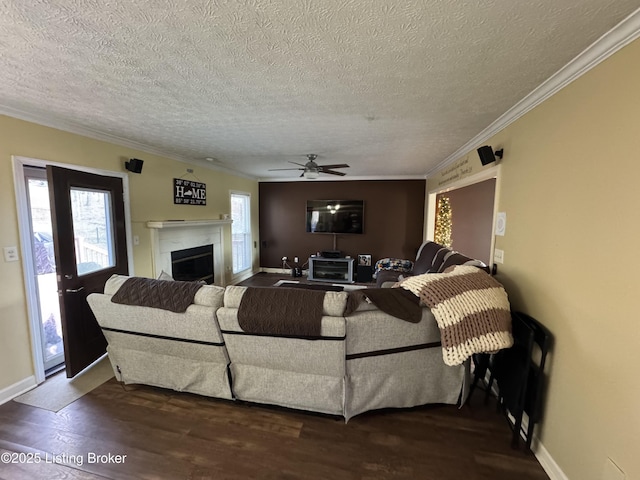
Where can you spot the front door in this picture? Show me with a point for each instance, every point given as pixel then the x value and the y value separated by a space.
pixel 87 213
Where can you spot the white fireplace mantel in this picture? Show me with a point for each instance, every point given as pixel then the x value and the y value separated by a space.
pixel 170 235
pixel 187 223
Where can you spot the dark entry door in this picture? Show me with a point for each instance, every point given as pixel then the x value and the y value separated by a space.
pixel 87 212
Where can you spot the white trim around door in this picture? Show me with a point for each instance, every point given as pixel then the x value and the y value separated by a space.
pixel 19 163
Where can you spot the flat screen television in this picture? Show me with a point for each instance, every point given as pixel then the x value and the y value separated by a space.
pixel 335 216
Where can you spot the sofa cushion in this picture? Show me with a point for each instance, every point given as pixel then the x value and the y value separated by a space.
pixel 165 276
pixel 455 258
pixel 207 295
pixel 114 283
pixel 386 276
pixel 210 296
pixel 438 259
pixel 333 305
pixel 425 257
pixel 281 311
pixel 149 292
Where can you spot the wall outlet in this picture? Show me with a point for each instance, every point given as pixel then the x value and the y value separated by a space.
pixel 11 254
pixel 498 255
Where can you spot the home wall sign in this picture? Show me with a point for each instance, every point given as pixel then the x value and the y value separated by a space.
pixel 188 192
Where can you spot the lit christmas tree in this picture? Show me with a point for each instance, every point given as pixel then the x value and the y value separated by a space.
pixel 443 222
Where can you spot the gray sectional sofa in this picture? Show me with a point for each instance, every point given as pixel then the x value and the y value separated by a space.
pixel 431 258
pixel 361 359
pixel 153 346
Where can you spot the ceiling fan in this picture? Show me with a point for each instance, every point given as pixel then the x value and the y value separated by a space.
pixel 311 169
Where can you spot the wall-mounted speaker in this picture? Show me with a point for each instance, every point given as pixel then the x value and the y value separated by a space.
pixel 487 154
pixel 134 165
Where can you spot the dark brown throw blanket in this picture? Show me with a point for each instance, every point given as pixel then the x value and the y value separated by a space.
pixel 174 296
pixel 397 302
pixel 281 311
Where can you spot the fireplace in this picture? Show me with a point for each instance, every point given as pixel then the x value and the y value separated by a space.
pixel 193 264
pixel 173 235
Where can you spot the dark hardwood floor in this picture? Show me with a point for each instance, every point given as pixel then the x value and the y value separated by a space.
pixel 153 433
pixel 166 434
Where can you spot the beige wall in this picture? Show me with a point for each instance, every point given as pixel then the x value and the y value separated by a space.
pixel 569 185
pixel 151 199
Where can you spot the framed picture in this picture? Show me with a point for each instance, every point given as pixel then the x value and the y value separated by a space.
pixel 364 260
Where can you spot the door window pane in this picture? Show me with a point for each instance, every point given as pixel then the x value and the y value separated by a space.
pixel 92 230
pixel 45 269
pixel 241 231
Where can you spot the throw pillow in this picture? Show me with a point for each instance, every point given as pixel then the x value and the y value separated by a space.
pixel 395 264
pixel 165 276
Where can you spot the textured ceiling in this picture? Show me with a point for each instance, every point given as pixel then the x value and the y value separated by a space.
pixel 391 87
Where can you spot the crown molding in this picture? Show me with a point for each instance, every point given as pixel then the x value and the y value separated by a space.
pixel 346 178
pixel 615 39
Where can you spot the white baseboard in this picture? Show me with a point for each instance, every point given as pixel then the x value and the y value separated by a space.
pixel 546 461
pixel 12 391
pixel 283 271
pixel 243 276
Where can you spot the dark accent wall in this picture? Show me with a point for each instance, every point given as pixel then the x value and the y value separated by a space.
pixel 393 219
pixel 472 219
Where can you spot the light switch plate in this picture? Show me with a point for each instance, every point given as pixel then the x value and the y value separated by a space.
pixel 11 254
pixel 498 255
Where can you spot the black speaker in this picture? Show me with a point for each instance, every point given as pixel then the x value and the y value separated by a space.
pixel 486 155
pixel 134 165
pixel 364 273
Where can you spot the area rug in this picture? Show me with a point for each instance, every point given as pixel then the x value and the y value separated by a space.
pixel 317 286
pixel 59 391
pixel 308 286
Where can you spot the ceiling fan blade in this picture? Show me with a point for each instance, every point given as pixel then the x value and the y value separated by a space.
pixel 332 172
pixel 337 165
pixel 296 163
pixel 275 169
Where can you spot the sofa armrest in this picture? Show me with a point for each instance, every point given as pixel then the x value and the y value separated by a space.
pixel 388 276
pixel 397 266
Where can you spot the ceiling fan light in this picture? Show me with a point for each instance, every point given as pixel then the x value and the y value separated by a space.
pixel 310 174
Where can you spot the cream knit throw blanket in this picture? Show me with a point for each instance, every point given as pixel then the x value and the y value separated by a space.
pixel 471 308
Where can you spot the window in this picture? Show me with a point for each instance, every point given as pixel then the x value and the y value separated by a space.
pixel 241 231
pixel 92 229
